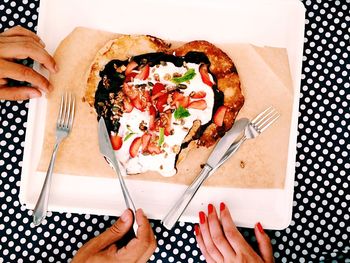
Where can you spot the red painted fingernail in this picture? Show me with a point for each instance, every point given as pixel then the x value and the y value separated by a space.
pixel 201 217
pixel 196 229
pixel 260 228
pixel 222 206
pixel 210 208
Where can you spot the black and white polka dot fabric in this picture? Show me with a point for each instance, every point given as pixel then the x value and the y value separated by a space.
pixel 320 229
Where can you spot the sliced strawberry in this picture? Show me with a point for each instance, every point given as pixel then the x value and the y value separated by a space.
pixel 180 99
pixel 116 142
pixel 203 70
pixel 146 96
pixel 128 107
pixel 130 77
pixel 152 118
pixel 144 73
pixel 158 87
pixel 199 95
pixel 130 67
pixel 198 104
pixel 167 126
pixel 130 91
pixel 161 102
pixel 145 139
pixel 219 115
pixel 138 104
pixel 135 146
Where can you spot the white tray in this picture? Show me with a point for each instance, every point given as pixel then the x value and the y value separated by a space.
pixel 272 23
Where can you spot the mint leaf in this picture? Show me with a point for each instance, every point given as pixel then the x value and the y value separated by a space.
pixel 128 136
pixel 161 136
pixel 181 112
pixel 186 77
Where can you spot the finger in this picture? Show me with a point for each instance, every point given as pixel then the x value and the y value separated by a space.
pixel 264 243
pixel 231 232
pixel 217 234
pixel 201 245
pixel 21 39
pixel 21 31
pixel 3 81
pixel 29 49
pixel 207 238
pixel 18 93
pixel 143 246
pixel 112 234
pixel 23 73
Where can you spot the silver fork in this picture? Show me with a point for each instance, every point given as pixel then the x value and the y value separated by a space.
pixel 256 126
pixel 63 128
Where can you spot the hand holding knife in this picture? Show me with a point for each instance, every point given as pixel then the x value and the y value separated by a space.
pixel 108 153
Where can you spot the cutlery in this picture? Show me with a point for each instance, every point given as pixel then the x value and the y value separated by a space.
pixel 63 127
pixel 221 147
pixel 107 151
pixel 259 124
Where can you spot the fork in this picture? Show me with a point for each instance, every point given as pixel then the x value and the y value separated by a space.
pixel 63 127
pixel 255 127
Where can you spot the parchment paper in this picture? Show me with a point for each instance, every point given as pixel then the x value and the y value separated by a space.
pixel 259 163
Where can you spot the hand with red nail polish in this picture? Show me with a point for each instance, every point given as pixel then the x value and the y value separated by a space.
pixel 103 248
pixel 20 43
pixel 220 241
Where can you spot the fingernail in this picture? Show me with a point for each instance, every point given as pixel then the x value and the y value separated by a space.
pixel 201 217
pixel 210 208
pixel 196 229
pixel 222 206
pixel 260 228
pixel 125 216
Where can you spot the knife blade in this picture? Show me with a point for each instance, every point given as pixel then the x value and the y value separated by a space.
pixel 107 151
pixel 219 150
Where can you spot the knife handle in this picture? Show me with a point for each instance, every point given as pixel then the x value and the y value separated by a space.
pixel 180 206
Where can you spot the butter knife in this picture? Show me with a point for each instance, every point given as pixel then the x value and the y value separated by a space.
pixel 107 151
pixel 215 157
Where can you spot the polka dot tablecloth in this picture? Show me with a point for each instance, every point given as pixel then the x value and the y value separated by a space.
pixel 320 227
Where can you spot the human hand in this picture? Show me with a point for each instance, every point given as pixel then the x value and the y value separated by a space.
pixel 220 241
pixel 103 249
pixel 20 43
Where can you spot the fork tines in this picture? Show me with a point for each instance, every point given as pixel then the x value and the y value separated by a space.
pixel 265 118
pixel 66 112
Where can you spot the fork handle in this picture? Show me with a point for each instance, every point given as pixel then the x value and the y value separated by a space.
pixel 180 206
pixel 40 209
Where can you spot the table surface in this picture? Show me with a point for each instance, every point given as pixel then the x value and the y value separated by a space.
pixel 320 227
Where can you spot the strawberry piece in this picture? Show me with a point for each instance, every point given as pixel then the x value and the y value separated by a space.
pixel 199 95
pixel 161 101
pixel 130 67
pixel 145 139
pixel 180 100
pixel 152 118
pixel 116 142
pixel 198 104
pixel 135 146
pixel 130 77
pixel 144 73
pixel 203 70
pixel 219 115
pixel 128 107
pixel 158 87
pixel 129 91
pixel 137 102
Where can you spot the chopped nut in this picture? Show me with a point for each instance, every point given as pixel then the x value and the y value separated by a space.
pixel 167 76
pixel 163 63
pixel 161 167
pixel 175 148
pixel 156 77
pixel 177 75
pixel 242 164
pixel 192 93
pixel 143 126
pixel 181 86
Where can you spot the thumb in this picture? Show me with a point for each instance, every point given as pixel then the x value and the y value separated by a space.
pixel 264 244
